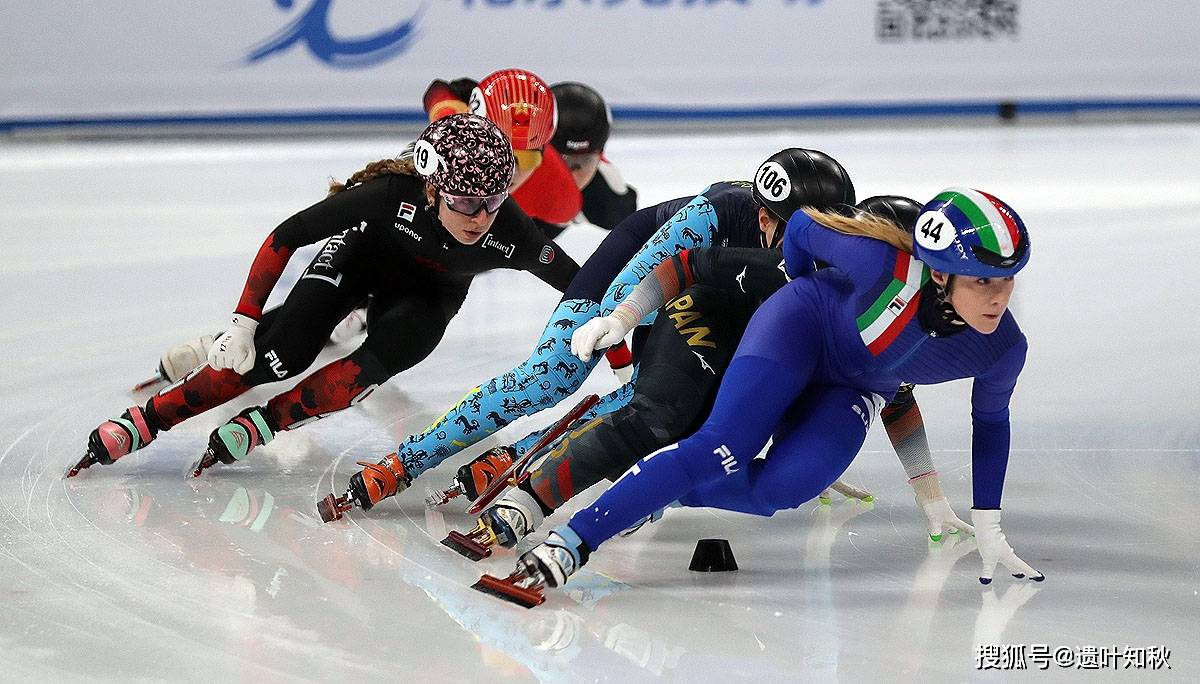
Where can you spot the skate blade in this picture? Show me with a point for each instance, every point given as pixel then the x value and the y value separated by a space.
pixel 505 590
pixel 466 547
pixel 206 461
pixel 148 382
pixel 850 492
pixel 79 467
pixel 328 509
pixel 196 468
pixel 435 498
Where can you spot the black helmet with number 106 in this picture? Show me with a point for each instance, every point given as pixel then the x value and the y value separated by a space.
pixel 797 177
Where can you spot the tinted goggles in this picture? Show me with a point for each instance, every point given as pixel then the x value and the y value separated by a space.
pixel 469 206
pixel 527 160
pixel 989 258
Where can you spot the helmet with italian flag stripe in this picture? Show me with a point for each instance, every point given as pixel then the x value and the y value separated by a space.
pixel 969 232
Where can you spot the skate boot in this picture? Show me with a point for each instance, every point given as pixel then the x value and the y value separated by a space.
pixel 549 564
pixel 374 483
pixel 505 522
pixel 848 491
pixel 234 440
pixel 178 362
pixel 353 325
pixel 116 438
pixel 473 478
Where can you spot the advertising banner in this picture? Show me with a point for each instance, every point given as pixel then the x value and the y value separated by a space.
pixel 364 60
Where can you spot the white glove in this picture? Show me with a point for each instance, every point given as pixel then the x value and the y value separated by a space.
pixel 939 516
pixel 993 548
pixel 235 347
pixel 598 333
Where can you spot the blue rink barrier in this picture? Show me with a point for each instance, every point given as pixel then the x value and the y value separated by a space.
pixel 1010 109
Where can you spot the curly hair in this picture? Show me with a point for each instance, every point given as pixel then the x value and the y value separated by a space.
pixel 402 165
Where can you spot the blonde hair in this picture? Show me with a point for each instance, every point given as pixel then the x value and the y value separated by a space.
pixel 402 165
pixel 865 225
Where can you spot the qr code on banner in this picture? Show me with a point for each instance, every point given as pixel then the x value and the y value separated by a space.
pixel 938 20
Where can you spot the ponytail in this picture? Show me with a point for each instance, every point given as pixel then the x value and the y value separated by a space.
pixel 865 225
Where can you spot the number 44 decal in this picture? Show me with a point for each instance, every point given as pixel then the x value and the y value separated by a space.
pixel 934 231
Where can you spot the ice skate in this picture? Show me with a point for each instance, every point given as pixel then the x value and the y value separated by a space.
pixel 848 491
pixel 234 440
pixel 549 564
pixel 519 470
pixel 353 325
pixel 374 483
pixel 177 362
pixel 506 523
pixel 116 438
pixel 476 476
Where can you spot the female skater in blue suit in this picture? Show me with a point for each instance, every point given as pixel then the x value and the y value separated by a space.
pixel 818 360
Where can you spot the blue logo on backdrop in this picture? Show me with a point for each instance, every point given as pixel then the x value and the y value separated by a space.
pixel 312 29
pixel 612 4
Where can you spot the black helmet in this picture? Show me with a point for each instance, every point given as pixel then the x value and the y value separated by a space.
pixel 583 119
pixel 900 210
pixel 796 177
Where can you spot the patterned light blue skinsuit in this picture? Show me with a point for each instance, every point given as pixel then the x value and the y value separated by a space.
pixel 723 214
pixel 810 371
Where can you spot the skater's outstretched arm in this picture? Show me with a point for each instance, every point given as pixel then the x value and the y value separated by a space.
pixel 757 272
pixel 906 430
pixel 541 256
pixel 335 214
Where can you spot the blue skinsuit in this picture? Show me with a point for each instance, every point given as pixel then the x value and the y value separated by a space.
pixel 723 214
pixel 812 369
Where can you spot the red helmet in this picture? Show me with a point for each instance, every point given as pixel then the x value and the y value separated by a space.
pixel 521 104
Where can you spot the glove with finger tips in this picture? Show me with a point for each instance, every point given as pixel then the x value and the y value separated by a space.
pixel 598 333
pixel 994 548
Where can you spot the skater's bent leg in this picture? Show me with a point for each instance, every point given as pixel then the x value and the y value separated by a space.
pixel 545 378
pixel 404 330
pixel 816 441
pixel 286 342
pixel 750 402
pixel 608 446
pixel 607 404
pixel 672 394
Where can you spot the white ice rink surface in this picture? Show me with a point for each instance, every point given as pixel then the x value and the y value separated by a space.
pixel 113 252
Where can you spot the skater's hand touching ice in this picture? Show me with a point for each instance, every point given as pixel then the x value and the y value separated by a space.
pixel 994 548
pixel 939 516
pixel 235 347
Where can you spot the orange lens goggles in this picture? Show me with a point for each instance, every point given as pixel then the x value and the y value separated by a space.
pixel 528 160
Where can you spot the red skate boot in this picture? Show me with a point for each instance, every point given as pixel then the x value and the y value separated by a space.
pixel 116 438
pixel 374 483
pixel 234 440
